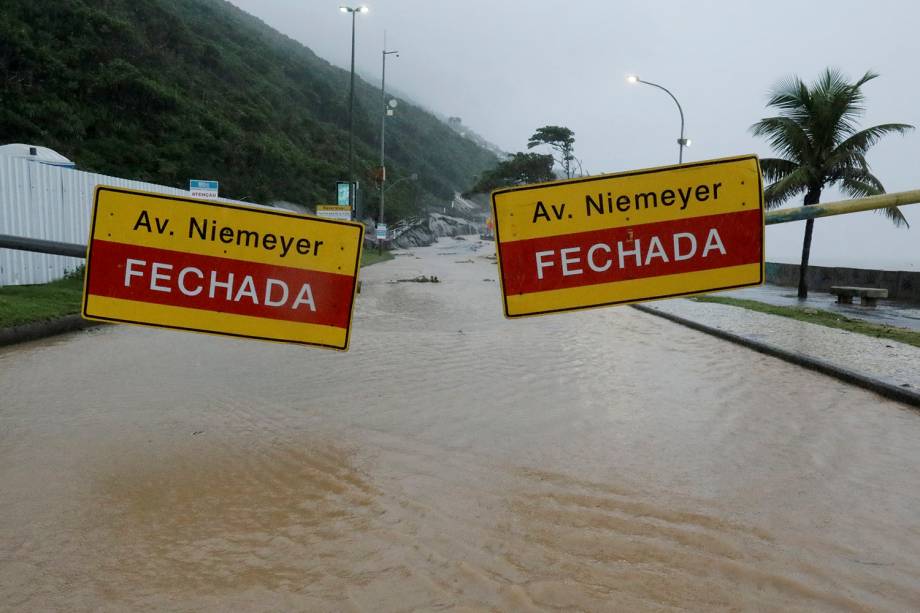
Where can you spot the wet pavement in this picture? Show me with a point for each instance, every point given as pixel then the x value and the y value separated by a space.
pixel 886 313
pixel 890 361
pixel 605 460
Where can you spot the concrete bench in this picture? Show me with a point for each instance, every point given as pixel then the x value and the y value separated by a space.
pixel 868 296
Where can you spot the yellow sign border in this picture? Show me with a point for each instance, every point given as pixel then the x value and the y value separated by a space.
pixel 227 205
pixel 616 175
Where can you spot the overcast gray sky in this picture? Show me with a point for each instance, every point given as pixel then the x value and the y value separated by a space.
pixel 507 67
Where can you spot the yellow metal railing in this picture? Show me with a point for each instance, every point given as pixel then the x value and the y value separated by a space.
pixel 841 208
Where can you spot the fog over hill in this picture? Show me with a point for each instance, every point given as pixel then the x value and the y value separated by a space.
pixel 168 90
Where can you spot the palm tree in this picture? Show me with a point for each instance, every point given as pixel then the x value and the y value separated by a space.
pixel 817 137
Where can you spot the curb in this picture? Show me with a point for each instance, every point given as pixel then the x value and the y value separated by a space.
pixel 42 329
pixel 889 390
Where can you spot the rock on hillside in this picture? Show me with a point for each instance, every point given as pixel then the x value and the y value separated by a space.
pixel 423 231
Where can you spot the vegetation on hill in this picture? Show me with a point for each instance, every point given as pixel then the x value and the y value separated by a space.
pixel 168 90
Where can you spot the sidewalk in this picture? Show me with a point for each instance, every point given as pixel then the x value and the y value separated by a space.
pixel 891 362
pixel 887 313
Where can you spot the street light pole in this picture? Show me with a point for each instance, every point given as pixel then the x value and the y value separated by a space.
pixel 384 110
pixel 681 142
pixel 412 177
pixel 351 109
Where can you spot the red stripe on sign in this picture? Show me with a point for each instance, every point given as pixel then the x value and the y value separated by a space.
pixel 636 252
pixel 223 285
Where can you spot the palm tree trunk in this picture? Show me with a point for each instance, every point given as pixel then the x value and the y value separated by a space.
pixel 812 197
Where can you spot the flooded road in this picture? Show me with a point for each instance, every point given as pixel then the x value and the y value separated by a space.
pixel 604 460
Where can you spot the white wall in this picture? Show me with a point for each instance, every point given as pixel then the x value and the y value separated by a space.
pixel 51 203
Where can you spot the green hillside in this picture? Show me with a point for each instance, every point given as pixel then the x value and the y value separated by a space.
pixel 168 90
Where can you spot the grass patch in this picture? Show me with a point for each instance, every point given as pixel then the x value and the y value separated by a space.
pixel 370 256
pixel 821 318
pixel 23 304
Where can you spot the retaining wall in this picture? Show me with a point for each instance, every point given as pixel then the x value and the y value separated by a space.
pixel 901 284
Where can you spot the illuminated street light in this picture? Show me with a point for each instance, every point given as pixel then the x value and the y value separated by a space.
pixel 351 110
pixel 681 142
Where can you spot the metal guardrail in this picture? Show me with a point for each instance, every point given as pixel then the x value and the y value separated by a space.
pixel 775 216
pixel 42 246
pixel 841 208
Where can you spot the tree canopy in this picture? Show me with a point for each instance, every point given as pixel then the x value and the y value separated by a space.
pixel 519 169
pixel 559 138
pixel 817 135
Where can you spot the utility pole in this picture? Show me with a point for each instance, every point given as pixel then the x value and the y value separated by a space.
pixel 384 111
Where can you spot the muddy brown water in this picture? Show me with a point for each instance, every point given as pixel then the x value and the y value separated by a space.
pixel 604 460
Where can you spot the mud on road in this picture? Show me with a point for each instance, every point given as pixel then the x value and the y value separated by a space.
pixel 603 460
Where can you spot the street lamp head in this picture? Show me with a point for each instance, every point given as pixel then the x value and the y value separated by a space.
pixel 363 9
pixel 632 78
pixel 344 9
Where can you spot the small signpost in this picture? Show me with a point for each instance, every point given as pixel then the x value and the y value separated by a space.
pixel 381 232
pixel 214 267
pixel 202 189
pixel 629 237
pixel 333 212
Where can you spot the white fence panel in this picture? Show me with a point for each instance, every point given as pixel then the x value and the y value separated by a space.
pixel 51 203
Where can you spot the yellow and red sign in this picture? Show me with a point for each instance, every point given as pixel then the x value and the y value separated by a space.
pixel 629 237
pixel 220 268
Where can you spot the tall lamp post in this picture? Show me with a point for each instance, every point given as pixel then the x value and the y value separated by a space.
pixel 681 142
pixel 384 111
pixel 351 109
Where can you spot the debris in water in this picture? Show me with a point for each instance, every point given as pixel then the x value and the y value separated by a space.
pixel 419 279
pixel 464 262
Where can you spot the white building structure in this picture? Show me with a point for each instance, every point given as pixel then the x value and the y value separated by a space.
pixel 42 195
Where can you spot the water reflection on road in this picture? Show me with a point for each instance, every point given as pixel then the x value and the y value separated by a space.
pixel 605 460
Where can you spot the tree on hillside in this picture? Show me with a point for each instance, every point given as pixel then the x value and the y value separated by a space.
pixel 816 135
pixel 559 138
pixel 519 169
pixel 166 90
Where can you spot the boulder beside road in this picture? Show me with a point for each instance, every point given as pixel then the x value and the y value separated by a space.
pixel 424 231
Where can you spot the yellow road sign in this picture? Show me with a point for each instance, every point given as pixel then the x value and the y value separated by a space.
pixel 333 211
pixel 629 237
pixel 214 267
